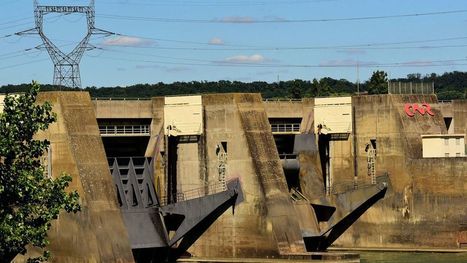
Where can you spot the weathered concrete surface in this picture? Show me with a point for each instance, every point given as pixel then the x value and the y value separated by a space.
pixel 123 109
pixel 241 121
pixel 292 109
pixel 284 108
pixel 271 175
pixel 459 108
pixel 97 233
pixel 422 208
pixel 248 232
pixel 311 178
pixel 189 175
pixel 156 144
pixel 426 201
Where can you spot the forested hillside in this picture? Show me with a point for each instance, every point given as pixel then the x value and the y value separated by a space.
pixel 451 85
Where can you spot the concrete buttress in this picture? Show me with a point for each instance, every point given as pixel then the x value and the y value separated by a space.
pixel 97 233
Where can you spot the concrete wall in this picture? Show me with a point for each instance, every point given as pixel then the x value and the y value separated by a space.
pixel 443 146
pixel 263 222
pixel 292 109
pixel 424 204
pixel 460 116
pixel 128 109
pixel 183 114
pixel 426 200
pixel 334 114
pixel 248 232
pixel 97 233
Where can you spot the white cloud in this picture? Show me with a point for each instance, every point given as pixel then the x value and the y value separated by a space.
pixel 128 41
pixel 256 58
pixel 237 19
pixel 216 41
pixel 418 63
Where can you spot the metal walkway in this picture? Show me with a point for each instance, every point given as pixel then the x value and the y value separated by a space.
pixel 124 130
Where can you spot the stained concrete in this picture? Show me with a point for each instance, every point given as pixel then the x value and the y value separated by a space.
pixel 268 168
pixel 426 202
pixel 97 233
pixel 264 224
pixel 292 109
pixel 130 109
pixel 423 207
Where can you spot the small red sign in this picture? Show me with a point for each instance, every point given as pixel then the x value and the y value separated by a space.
pixel 411 109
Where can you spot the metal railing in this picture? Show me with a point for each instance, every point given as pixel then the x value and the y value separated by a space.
pixel 346 186
pixel 411 88
pixel 297 195
pixel 285 128
pixel 124 130
pixel 212 188
pixel 445 101
pixel 287 156
pixel 119 98
pixel 282 100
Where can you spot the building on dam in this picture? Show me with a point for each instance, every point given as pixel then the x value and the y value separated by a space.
pixel 322 150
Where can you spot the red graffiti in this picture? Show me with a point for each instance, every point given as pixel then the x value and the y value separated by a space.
pixel 410 109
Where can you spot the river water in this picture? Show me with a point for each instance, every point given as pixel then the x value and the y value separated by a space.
pixel 409 257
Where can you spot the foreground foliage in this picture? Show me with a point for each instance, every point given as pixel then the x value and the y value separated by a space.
pixel 29 199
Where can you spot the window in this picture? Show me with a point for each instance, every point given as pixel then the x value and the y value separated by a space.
pixel 446 155
pixel 458 154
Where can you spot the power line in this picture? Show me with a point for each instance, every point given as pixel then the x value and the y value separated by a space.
pixel 14 21
pixel 291 65
pixel 258 21
pixel 22 64
pixel 234 47
pixel 428 63
pixel 216 3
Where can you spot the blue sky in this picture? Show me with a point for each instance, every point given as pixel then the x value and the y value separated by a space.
pixel 245 40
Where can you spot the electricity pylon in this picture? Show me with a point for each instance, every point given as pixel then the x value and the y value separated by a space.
pixel 66 65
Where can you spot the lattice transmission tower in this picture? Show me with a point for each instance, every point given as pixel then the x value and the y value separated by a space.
pixel 66 65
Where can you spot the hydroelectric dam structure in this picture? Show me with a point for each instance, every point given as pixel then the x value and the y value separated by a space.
pixel 157 176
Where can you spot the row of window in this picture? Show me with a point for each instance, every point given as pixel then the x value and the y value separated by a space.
pixel 457 155
pixel 446 141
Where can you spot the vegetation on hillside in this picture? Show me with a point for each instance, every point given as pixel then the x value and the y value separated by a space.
pixel 451 85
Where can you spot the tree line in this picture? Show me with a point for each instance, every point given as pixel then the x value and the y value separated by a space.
pixel 450 85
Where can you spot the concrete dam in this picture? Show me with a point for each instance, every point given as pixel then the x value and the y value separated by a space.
pixel 334 153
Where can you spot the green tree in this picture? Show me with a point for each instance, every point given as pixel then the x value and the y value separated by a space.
pixel 29 199
pixel 378 83
pixel 296 89
pixel 324 89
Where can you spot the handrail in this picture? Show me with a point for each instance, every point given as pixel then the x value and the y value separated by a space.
pixel 287 156
pixel 118 98
pixel 212 188
pixel 285 127
pixel 282 100
pixel 345 186
pixel 124 129
pixel 445 101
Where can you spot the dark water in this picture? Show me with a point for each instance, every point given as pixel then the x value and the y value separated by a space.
pixel 409 257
